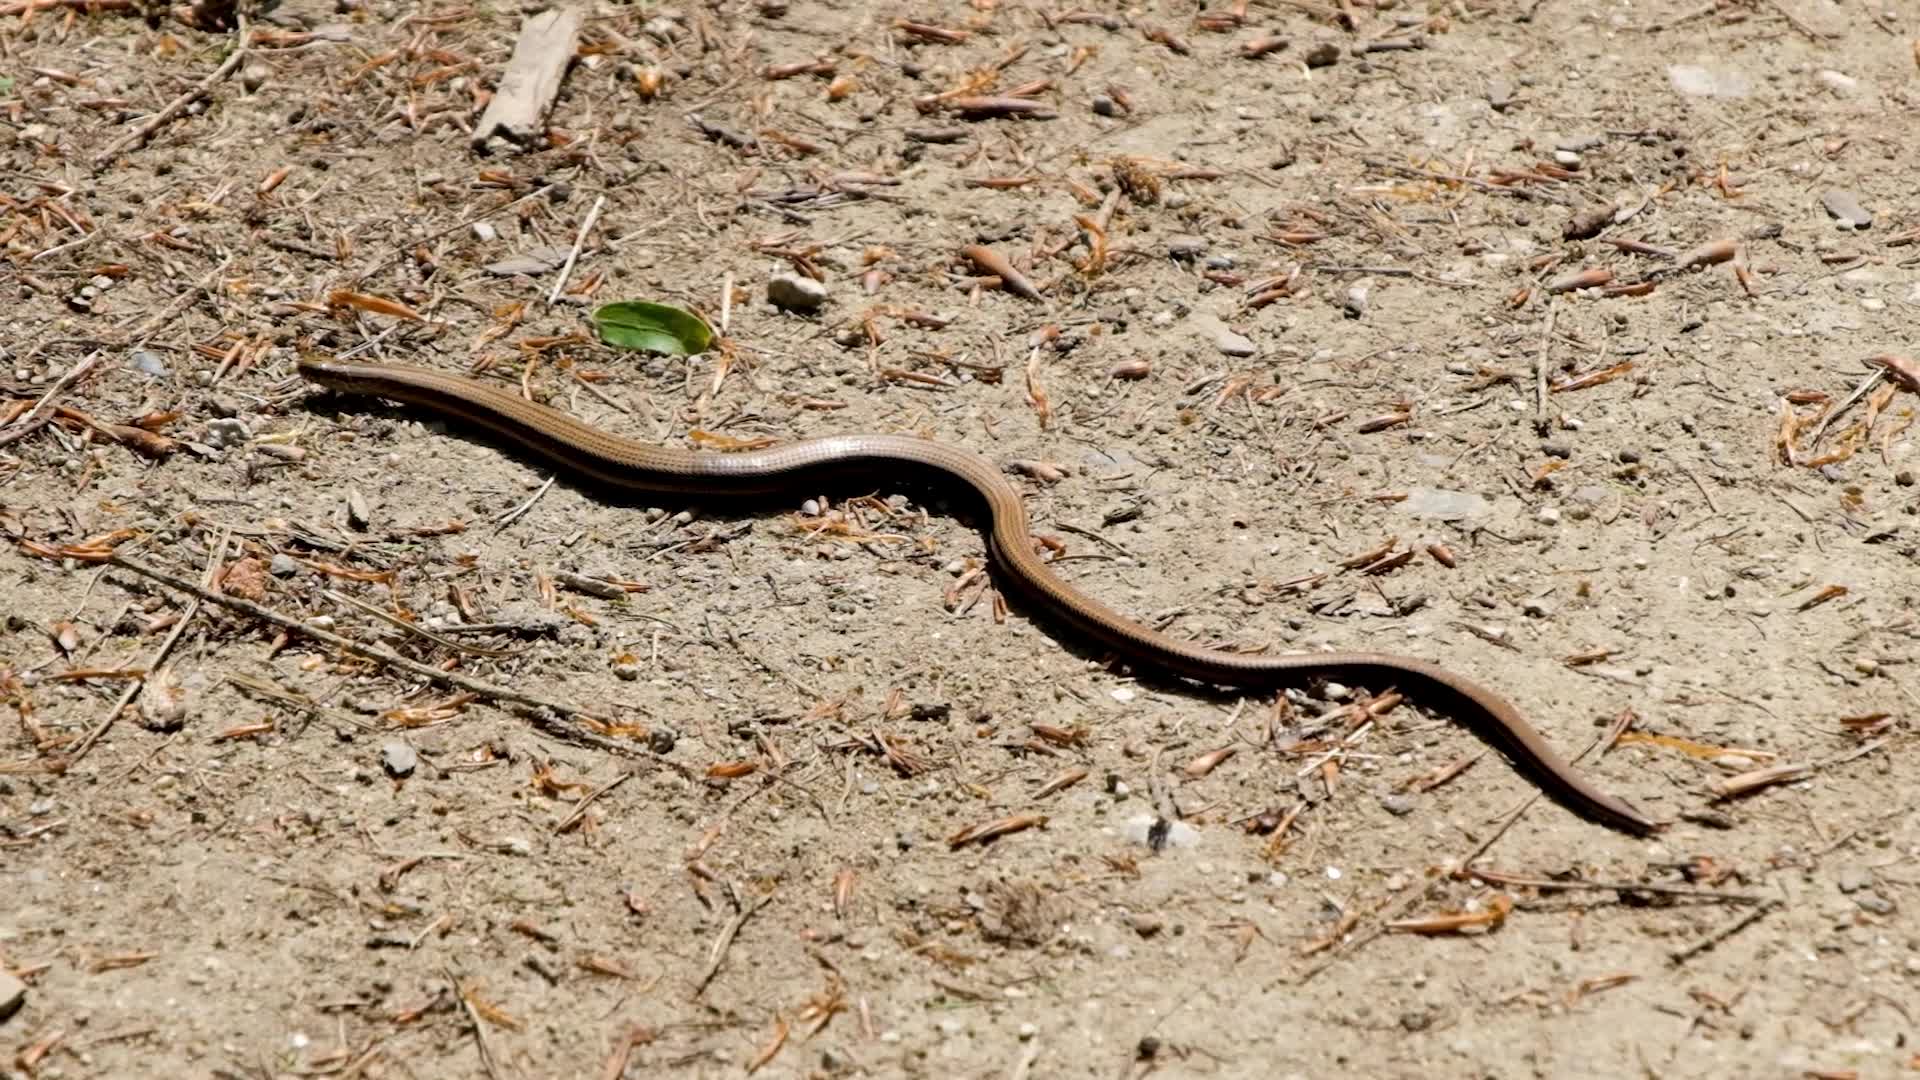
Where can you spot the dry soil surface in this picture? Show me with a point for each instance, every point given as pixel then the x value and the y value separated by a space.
pixel 1531 337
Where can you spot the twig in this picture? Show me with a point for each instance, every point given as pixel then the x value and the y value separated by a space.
pixel 176 305
pixel 580 808
pixel 1681 956
pixel 1866 386
pixel 159 656
pixel 1794 21
pixel 40 413
pixel 718 954
pixel 580 239
pixel 513 515
pixel 479 1027
pixel 1495 877
pixel 434 675
pixel 1540 423
pixel 175 107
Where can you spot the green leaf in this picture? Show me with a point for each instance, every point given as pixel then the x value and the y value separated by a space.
pixel 636 324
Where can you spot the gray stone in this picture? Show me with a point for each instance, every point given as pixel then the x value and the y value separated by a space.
pixel 1845 207
pixel 13 994
pixel 795 292
pixel 398 758
pixel 1232 343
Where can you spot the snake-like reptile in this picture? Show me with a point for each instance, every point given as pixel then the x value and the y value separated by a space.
pixel 626 464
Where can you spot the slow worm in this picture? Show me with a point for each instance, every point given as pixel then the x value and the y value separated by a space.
pixel 623 463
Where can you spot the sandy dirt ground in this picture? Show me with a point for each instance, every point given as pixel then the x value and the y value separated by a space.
pixel 1561 342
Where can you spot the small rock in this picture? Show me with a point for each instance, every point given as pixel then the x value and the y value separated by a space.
pixel 1147 925
pixel 1839 82
pixel 1548 515
pixel 1145 828
pixel 147 362
pixel 660 740
pixel 1398 804
pixel 1325 54
pixel 516 845
pixel 1695 81
pixel 358 515
pixel 1186 248
pixel 13 994
pixel 282 565
pixel 227 433
pixel 398 758
pixel 255 76
pixel 1443 504
pixel 1105 106
pixel 538 261
pixel 484 232
pixel 795 292
pixel 1852 879
pixel 1876 904
pixel 1536 609
pixel 1219 262
pixel 1845 207
pixel 1499 94
pixel 1355 304
pixel 1233 344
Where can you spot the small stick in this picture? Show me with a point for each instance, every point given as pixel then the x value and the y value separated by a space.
pixel 160 655
pixel 1866 386
pixel 1497 878
pixel 1681 956
pixel 372 652
pixel 580 808
pixel 479 1028
pixel 1540 423
pixel 176 106
pixel 513 515
pixel 1794 21
pixel 566 270
pixel 38 415
pixel 718 954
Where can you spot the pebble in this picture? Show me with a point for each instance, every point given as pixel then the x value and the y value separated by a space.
pixel 795 292
pixel 398 758
pixel 1443 504
pixel 358 515
pixel 1397 804
pixel 1185 247
pixel 516 845
pixel 1219 262
pixel 661 739
pixel 147 362
pixel 1548 515
pixel 1837 81
pixel 1105 106
pixel 223 434
pixel 484 232
pixel 1028 1030
pixel 1852 879
pixel 1356 302
pixel 282 565
pixel 13 993
pixel 1876 904
pixel 1139 829
pixel 1695 81
pixel 1845 207
pixel 1233 344
pixel 1325 54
